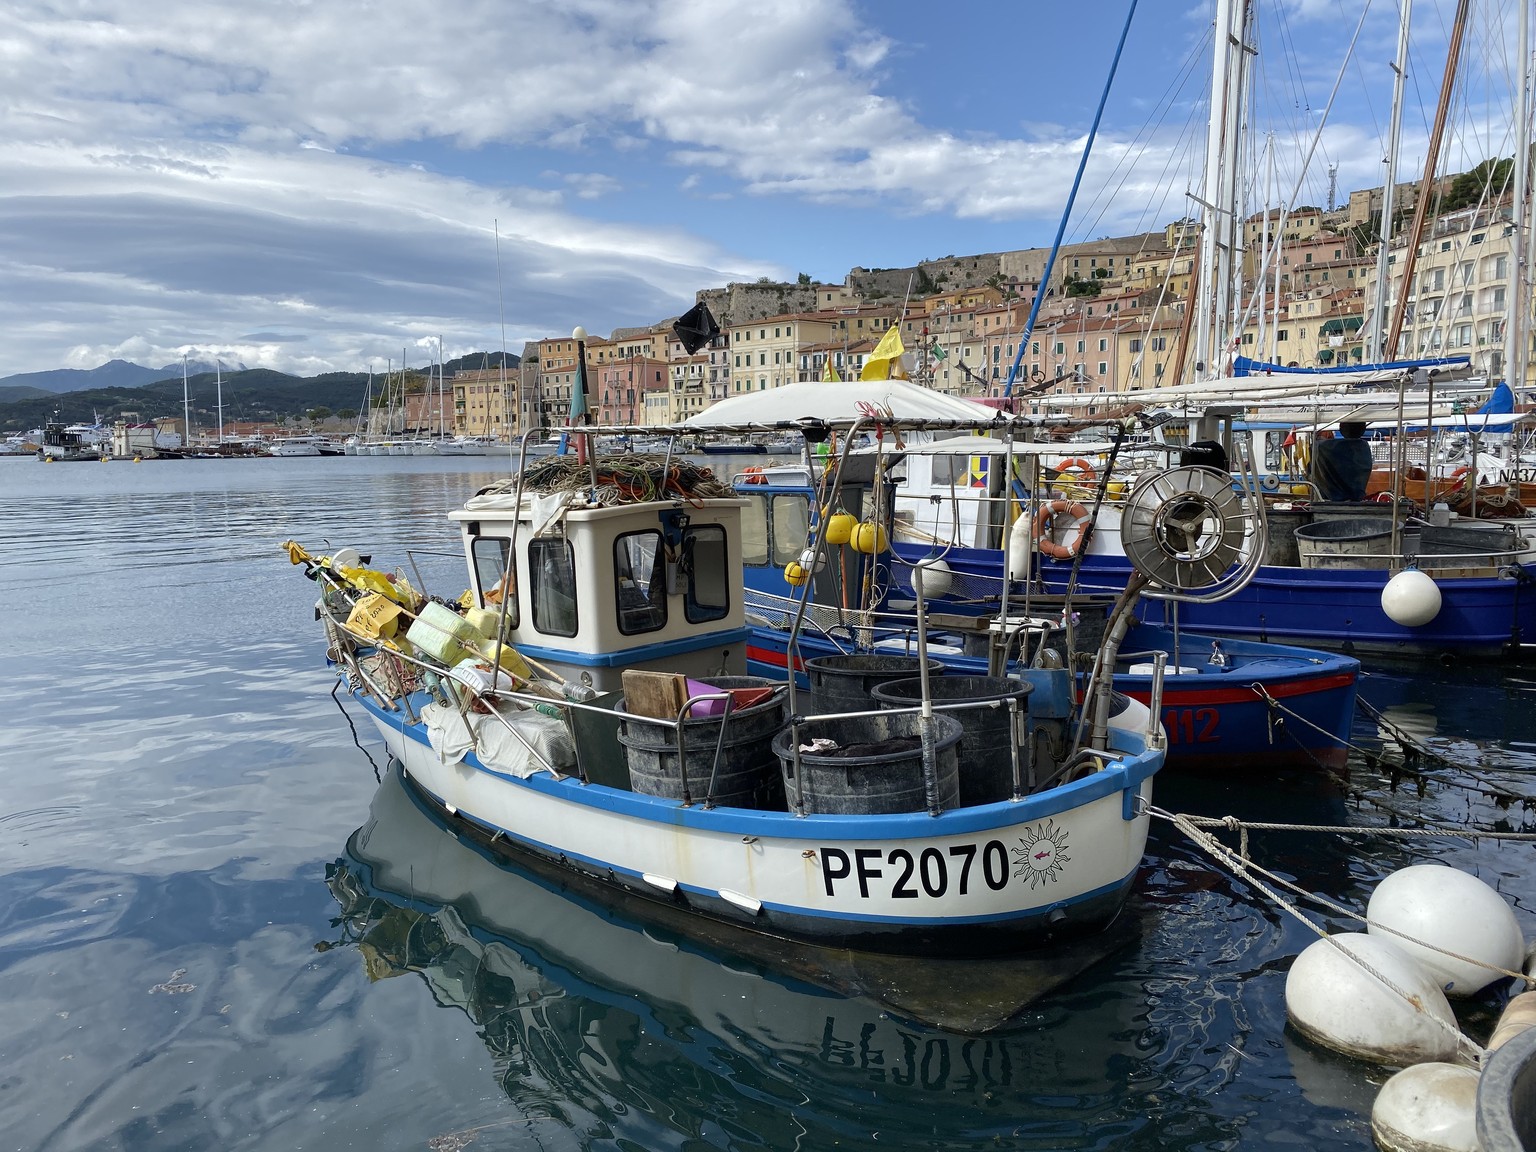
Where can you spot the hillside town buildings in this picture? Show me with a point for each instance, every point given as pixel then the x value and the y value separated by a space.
pixel 1114 318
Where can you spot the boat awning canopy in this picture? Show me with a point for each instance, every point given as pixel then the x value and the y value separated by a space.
pixel 997 446
pixel 845 400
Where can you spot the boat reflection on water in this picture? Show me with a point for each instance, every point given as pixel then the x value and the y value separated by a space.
pixel 584 1007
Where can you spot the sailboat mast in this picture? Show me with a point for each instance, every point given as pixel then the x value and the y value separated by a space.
pixel 1389 190
pixel 1436 135
pixel 1519 295
pixel 1219 202
pixel 218 375
pixel 186 408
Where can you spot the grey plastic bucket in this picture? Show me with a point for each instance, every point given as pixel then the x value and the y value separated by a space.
pixel 1357 542
pixel 1280 547
pixel 748 775
pixel 985 752
pixel 844 683
pixel 870 784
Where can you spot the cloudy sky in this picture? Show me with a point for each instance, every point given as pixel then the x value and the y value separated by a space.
pixel 316 185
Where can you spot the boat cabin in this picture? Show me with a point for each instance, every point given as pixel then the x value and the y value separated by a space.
pixel 595 589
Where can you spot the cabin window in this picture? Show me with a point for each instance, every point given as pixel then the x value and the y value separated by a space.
pixel 552 574
pixel 791 522
pixel 490 555
pixel 754 531
pixel 640 582
pixel 707 595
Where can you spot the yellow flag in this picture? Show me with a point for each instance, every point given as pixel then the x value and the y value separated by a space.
pixel 877 365
pixel 828 373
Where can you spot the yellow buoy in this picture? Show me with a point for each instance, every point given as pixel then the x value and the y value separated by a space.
pixel 869 538
pixel 795 573
pixel 840 528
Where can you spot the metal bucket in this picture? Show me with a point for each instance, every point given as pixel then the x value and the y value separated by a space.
pixel 985 750
pixel 748 775
pixel 875 784
pixel 844 683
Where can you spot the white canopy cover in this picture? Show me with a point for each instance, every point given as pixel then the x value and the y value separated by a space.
pixel 831 400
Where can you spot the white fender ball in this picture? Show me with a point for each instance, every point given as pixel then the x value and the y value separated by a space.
pixel 1411 598
pixel 1450 909
pixel 938 579
pixel 1427 1108
pixel 1332 1000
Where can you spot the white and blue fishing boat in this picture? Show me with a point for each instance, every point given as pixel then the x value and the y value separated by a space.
pixel 642 757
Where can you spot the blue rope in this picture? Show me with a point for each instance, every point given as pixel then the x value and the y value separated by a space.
pixel 1050 261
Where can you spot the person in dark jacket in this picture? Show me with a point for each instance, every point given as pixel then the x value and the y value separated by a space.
pixel 1341 466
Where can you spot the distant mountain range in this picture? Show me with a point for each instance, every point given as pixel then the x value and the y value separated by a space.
pixel 119 388
pixel 112 374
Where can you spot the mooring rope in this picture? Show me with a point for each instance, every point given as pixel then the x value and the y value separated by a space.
pixel 1490 789
pixel 1243 868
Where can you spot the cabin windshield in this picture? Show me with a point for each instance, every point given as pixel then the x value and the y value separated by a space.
pixel 754 530
pixel 639 577
pixel 552 573
pixel 490 554
pixel 705 559
pixel 791 522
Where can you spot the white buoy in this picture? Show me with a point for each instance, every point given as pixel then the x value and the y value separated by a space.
pixel 1427 1108
pixel 1449 909
pixel 1332 999
pixel 1411 598
pixel 1019 548
pixel 938 578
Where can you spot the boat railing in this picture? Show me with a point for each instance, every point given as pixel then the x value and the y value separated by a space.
pixel 1025 780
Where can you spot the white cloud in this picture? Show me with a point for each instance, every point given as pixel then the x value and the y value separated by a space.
pixel 179 172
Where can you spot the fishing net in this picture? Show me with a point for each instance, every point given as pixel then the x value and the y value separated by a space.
pixel 628 479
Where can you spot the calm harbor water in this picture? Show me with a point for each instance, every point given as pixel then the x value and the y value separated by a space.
pixel 218 929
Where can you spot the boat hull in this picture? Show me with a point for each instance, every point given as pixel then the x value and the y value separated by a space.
pixel 971 880
pixel 1274 707
pixel 1480 616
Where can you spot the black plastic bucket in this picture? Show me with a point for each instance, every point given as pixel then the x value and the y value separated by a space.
pixel 985 752
pixel 881 783
pixel 748 776
pixel 845 683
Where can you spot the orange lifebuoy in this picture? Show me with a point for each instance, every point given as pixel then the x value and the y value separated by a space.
pixel 1043 519
pixel 753 475
pixel 1084 470
pixel 1459 473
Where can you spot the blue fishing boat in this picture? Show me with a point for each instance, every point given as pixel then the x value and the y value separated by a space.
pixel 1226 702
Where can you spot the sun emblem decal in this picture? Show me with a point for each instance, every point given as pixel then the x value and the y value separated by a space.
pixel 1041 853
